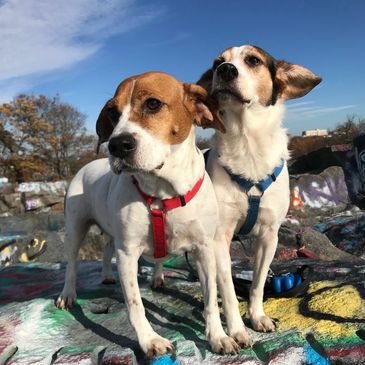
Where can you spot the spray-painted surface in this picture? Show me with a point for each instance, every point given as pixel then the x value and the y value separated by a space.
pixel 346 231
pixel 327 325
pixel 57 187
pixel 324 191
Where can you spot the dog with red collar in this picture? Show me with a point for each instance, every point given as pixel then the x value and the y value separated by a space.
pixel 153 197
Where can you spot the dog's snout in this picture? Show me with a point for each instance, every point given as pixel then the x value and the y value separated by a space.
pixel 227 71
pixel 122 146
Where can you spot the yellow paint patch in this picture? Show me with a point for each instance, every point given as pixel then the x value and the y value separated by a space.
pixel 320 284
pixel 342 302
pixel 243 308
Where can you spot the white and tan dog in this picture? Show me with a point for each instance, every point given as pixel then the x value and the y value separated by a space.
pixel 149 126
pixel 250 87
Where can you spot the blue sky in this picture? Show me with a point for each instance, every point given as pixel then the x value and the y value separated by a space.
pixel 82 49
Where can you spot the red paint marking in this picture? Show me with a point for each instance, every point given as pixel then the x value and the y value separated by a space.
pixel 34 290
pixel 15 276
pixel 26 292
pixel 345 351
pixel 7 333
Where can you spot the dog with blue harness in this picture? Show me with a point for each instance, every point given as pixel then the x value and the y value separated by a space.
pixel 253 200
pixel 247 166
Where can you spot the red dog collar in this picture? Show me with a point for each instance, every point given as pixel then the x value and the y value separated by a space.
pixel 158 215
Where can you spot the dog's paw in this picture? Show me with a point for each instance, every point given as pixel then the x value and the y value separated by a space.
pixel 242 337
pixel 158 346
pixel 224 345
pixel 158 282
pixel 263 324
pixel 66 301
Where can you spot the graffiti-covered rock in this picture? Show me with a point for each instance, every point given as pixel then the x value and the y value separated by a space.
pixel 322 247
pixel 346 231
pixel 326 191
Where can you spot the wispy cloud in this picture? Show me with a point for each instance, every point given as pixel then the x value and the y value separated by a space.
pixel 39 36
pixel 181 36
pixel 309 109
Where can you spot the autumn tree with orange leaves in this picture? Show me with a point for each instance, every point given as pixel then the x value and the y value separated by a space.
pixel 42 138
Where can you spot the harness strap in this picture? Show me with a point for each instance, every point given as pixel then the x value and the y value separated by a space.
pixel 158 216
pixel 253 200
pixel 252 214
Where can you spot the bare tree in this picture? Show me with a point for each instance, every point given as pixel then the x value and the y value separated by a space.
pixel 41 135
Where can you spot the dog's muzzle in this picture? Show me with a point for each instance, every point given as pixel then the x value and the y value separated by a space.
pixel 122 146
pixel 227 72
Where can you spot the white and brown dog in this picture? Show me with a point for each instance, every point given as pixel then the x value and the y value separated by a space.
pixel 154 167
pixel 250 87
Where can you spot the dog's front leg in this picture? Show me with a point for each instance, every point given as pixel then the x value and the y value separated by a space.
pixel 158 279
pixel 235 325
pixel 214 332
pixel 150 342
pixel 107 271
pixel 267 241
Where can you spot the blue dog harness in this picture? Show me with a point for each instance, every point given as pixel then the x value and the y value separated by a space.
pixel 253 200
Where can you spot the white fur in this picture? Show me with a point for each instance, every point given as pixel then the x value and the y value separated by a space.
pixel 97 195
pixel 254 144
pixel 148 145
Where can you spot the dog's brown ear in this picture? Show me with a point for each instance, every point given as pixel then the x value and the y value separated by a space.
pixel 104 127
pixel 203 107
pixel 294 81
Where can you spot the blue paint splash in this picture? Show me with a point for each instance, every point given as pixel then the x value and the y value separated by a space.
pixel 314 358
pixel 164 360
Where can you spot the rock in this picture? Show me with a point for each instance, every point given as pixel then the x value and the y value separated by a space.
pixel 115 356
pixel 325 192
pixel 3 207
pixel 188 354
pixel 322 247
pixel 6 188
pixel 346 231
pixel 12 200
pixel 49 200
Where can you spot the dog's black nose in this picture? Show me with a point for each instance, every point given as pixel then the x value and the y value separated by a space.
pixel 227 71
pixel 122 146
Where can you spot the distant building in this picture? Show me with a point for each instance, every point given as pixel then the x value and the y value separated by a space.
pixel 315 132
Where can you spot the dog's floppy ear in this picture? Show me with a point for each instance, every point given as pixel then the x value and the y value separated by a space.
pixel 104 127
pixel 206 80
pixel 203 107
pixel 294 81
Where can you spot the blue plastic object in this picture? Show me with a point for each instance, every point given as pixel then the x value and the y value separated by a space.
pixel 286 282
pixel 164 360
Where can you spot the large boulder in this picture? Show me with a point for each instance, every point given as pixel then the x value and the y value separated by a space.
pixel 346 231
pixel 319 193
pixel 322 247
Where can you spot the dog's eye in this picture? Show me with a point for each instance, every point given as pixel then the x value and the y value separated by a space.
pixel 113 115
pixel 217 62
pixel 253 61
pixel 152 105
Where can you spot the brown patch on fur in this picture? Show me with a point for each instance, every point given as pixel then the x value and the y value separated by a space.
pixel 227 54
pixel 260 73
pixel 104 127
pixel 172 115
pixel 181 107
pixel 264 84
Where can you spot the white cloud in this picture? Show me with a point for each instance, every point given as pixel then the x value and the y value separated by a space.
pixel 39 36
pixel 309 109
